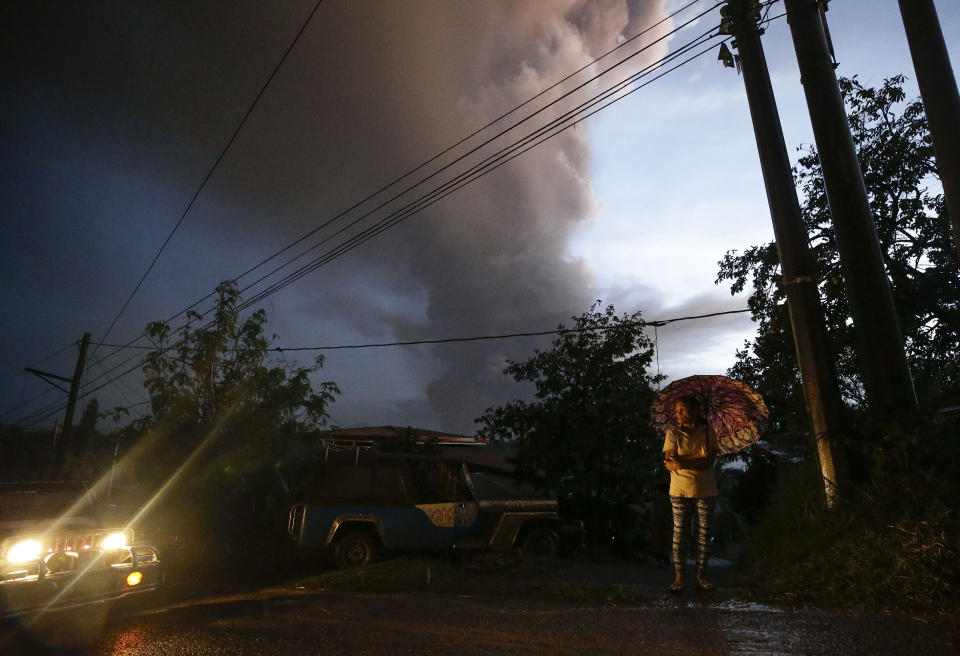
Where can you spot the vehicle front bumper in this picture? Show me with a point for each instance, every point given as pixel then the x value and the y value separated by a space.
pixel 97 578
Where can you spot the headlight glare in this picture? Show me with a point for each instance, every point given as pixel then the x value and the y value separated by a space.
pixel 24 551
pixel 114 541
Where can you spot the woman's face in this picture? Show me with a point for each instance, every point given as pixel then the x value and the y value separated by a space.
pixel 685 413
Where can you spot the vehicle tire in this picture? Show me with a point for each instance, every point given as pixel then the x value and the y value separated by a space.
pixel 354 549
pixel 540 541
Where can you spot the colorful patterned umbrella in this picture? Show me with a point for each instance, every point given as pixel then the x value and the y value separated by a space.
pixel 736 414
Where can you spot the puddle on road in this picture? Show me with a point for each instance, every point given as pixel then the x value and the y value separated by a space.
pixel 754 629
pixel 748 606
pixel 729 605
pixel 746 642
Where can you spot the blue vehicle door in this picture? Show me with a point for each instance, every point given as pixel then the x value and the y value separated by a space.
pixel 442 506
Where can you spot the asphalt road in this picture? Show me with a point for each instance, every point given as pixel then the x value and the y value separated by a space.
pixel 292 622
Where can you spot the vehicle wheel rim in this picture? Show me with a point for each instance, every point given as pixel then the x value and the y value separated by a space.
pixel 356 553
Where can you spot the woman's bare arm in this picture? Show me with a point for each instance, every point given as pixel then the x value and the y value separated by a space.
pixel 670 460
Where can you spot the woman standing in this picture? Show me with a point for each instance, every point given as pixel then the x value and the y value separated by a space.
pixel 689 453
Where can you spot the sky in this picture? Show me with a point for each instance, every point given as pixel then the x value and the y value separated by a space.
pixel 113 113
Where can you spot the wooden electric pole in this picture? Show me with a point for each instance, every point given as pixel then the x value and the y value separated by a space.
pixel 72 400
pixel 938 88
pixel 820 390
pixel 883 361
pixel 62 444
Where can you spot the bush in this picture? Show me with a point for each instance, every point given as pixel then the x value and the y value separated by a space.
pixel 877 548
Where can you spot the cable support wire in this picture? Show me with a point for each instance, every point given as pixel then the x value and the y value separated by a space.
pixel 46 392
pixel 370 233
pixel 447 150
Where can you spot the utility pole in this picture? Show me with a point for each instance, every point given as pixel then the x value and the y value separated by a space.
pixel 75 384
pixel 883 361
pixel 938 88
pixel 62 441
pixel 820 390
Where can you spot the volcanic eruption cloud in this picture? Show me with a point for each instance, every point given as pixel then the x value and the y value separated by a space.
pixel 493 257
pixel 121 109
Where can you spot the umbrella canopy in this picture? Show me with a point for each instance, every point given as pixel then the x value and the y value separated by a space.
pixel 735 413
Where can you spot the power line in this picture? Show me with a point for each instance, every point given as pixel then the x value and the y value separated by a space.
pixel 189 205
pixel 382 227
pixel 393 219
pixel 486 162
pixel 474 338
pixel 213 168
pixel 476 132
pixel 490 164
pixel 447 150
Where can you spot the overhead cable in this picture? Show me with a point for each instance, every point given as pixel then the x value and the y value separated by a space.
pixel 213 168
pixel 474 338
pixel 490 164
pixel 370 235
pixel 447 150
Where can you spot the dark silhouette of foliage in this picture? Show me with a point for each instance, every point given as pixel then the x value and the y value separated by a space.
pixel 898 514
pixel 222 419
pixel 587 435
pixel 896 156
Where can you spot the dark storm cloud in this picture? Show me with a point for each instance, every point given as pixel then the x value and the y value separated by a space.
pixel 118 110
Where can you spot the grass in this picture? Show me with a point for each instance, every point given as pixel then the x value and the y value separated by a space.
pixel 488 572
pixel 397 575
pixel 494 574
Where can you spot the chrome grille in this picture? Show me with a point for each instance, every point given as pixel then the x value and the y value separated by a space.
pixel 76 542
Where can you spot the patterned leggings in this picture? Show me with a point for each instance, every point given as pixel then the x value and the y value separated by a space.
pixel 682 513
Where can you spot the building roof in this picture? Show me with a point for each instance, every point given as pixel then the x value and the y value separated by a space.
pixel 393 432
pixel 474 450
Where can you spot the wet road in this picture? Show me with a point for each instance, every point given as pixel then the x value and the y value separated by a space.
pixel 290 622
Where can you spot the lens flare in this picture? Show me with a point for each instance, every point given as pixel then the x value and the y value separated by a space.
pixel 113 541
pixel 23 552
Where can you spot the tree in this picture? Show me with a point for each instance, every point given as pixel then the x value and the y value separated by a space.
pixel 896 156
pixel 221 417
pixel 223 365
pixel 896 516
pixel 587 435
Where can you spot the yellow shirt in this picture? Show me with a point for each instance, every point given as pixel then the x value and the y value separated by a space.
pixel 690 482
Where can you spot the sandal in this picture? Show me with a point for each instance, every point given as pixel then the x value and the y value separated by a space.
pixel 678 586
pixel 703 586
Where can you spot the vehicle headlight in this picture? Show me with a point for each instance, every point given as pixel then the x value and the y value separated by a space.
pixel 24 551
pixel 114 541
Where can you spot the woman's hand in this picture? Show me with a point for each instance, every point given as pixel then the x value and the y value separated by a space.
pixel 672 465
